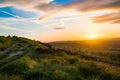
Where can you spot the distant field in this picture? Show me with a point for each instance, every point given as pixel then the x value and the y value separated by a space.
pixel 107 50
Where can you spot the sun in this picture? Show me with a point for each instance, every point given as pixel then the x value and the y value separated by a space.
pixel 92 36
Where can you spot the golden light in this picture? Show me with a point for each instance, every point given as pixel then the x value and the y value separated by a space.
pixel 92 36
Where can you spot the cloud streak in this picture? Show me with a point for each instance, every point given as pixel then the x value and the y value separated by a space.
pixel 14 29
pixel 59 28
pixel 78 5
pixel 24 3
pixel 10 14
pixel 95 5
pixel 112 18
pixel 6 27
pixel 88 6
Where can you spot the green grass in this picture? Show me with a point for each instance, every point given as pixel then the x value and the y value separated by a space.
pixel 42 62
pixel 5 42
pixel 2 56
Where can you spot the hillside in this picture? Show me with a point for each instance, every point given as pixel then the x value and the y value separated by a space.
pixel 25 59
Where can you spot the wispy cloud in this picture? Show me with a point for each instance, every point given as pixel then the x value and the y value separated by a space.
pixel 95 5
pixel 14 29
pixel 112 18
pixel 24 3
pixel 19 18
pixel 10 14
pixel 59 28
pixel 78 5
pixel 6 27
pixel 88 6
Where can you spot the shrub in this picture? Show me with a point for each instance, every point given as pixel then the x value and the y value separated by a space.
pixel 72 60
pixel 4 42
pixel 2 56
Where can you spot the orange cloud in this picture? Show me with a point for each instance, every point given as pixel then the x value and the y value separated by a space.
pixel 78 5
pixel 94 5
pixel 25 4
pixel 88 6
pixel 112 18
pixel 59 28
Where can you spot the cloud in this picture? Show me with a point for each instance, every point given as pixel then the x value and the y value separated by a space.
pixel 31 5
pixel 113 5
pixel 61 25
pixel 86 6
pixel 80 5
pixel 59 28
pixel 112 18
pixel 6 27
pixel 24 4
pixel 52 8
pixel 42 18
pixel 14 29
pixel 13 15
pixel 95 5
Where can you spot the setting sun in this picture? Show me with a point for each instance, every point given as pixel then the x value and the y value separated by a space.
pixel 92 36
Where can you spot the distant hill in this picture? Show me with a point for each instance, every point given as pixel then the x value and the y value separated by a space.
pixel 101 43
pixel 25 59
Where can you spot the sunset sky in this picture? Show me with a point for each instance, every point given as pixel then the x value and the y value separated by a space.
pixel 56 20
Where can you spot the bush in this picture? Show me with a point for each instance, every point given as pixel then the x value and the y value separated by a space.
pixel 72 60
pixel 15 68
pixel 5 42
pixel 2 56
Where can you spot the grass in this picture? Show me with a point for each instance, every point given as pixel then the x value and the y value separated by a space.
pixel 2 56
pixel 43 62
pixel 106 50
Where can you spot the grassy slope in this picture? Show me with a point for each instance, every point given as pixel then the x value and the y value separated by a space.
pixel 40 61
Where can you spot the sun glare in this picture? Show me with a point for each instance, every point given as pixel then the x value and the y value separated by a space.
pixel 92 36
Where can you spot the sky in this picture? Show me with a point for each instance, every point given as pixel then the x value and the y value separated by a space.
pixel 57 20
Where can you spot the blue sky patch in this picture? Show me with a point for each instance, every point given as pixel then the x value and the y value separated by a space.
pixel 62 1
pixel 1 1
pixel 66 1
pixel 12 12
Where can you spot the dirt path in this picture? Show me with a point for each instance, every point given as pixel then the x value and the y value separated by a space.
pixel 12 55
pixel 6 50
